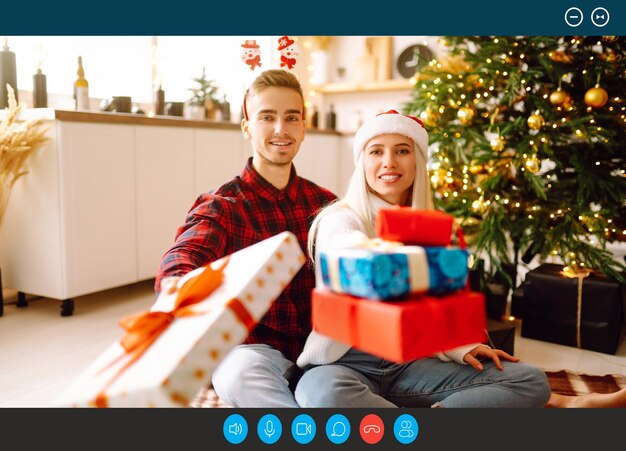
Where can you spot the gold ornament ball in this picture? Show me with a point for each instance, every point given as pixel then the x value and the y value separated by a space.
pixel 596 97
pixel 568 104
pixel 497 143
pixel 560 98
pixel 532 165
pixel 474 80
pixel 466 115
pixel 476 168
pixel 536 121
pixel 561 57
pixel 429 117
pixel 610 57
pixel 479 206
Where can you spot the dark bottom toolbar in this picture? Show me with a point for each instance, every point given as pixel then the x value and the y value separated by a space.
pixel 292 429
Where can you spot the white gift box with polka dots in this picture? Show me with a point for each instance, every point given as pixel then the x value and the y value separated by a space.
pixel 181 360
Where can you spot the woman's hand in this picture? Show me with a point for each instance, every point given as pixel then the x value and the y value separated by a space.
pixel 472 357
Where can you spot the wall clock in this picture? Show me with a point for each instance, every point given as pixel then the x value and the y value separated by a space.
pixel 412 59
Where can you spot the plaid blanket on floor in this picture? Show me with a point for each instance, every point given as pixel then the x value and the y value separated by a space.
pixel 572 383
pixel 562 382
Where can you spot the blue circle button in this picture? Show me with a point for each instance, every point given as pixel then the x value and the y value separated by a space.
pixel 303 429
pixel 269 428
pixel 405 429
pixel 235 429
pixel 338 429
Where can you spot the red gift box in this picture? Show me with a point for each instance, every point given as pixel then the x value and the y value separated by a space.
pixel 421 227
pixel 401 331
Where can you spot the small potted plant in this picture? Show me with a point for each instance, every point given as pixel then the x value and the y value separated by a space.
pixel 203 102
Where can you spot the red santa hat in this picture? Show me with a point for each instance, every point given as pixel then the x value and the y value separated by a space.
pixel 250 44
pixel 284 42
pixel 391 122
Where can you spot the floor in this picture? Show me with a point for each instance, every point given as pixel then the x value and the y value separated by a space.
pixel 42 352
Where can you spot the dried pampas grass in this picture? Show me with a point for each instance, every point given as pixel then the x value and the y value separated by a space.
pixel 18 141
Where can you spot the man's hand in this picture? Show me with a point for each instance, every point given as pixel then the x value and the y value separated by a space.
pixel 168 284
pixel 486 352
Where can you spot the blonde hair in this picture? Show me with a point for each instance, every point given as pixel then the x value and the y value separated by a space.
pixel 274 78
pixel 357 198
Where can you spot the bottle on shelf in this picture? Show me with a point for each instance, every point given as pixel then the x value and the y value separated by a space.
pixel 40 90
pixel 8 74
pixel 159 101
pixel 81 88
pixel 314 118
pixel 331 119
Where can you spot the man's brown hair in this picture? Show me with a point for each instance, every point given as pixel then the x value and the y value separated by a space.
pixel 274 78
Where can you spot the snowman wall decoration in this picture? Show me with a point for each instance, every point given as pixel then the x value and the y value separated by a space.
pixel 287 49
pixel 251 54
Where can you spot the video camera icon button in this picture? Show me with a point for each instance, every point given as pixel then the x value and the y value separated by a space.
pixel 269 429
pixel 573 17
pixel 303 429
pixel 600 17
pixel 235 429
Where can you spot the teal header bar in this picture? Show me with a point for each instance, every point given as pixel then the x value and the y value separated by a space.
pixel 317 17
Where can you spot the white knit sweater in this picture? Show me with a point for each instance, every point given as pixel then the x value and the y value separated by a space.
pixel 338 229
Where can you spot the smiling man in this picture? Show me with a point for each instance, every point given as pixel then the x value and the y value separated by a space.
pixel 266 199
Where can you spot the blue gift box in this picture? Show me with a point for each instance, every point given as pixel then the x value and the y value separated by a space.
pixel 392 274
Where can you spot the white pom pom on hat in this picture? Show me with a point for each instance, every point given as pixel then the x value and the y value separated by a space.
pixel 391 122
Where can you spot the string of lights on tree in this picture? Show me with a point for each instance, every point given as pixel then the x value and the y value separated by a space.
pixel 529 137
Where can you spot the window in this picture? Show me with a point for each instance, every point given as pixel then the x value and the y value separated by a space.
pixel 136 65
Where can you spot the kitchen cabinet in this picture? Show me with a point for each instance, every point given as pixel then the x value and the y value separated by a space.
pixel 70 227
pixel 105 195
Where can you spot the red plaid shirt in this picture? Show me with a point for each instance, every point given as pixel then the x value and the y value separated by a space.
pixel 243 212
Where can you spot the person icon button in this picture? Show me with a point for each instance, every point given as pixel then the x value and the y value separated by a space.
pixel 269 429
pixel 405 429
pixel 338 429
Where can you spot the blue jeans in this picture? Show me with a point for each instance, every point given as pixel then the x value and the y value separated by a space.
pixel 255 375
pixel 361 380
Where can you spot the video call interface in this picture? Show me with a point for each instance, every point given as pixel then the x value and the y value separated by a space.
pixel 513 122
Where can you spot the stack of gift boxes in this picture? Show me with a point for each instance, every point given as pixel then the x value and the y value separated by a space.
pixel 403 295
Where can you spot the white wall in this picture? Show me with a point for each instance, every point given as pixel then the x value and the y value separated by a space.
pixel 344 52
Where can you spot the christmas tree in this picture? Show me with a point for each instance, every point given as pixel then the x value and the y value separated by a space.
pixel 529 137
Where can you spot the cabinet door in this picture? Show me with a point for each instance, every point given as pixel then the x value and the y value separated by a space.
pixel 97 176
pixel 220 156
pixel 318 160
pixel 30 248
pixel 165 190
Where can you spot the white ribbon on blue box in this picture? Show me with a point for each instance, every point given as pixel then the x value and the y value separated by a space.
pixel 394 273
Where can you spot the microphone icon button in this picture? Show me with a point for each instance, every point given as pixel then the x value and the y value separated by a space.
pixel 269 429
